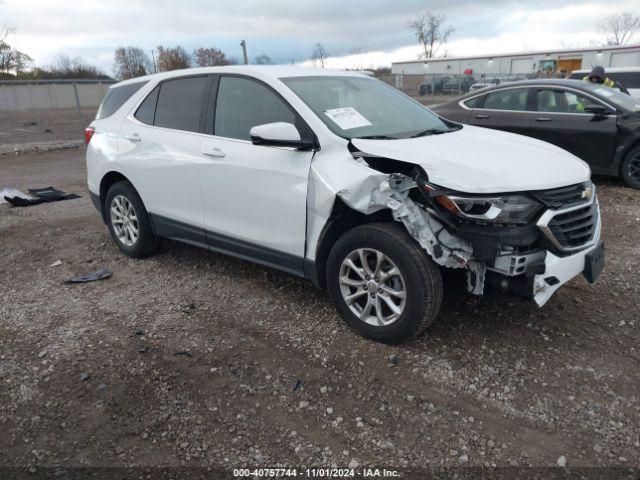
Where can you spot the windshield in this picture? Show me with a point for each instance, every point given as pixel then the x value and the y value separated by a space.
pixel 614 96
pixel 354 107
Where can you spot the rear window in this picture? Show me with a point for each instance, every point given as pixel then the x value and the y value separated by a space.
pixel 180 104
pixel 116 97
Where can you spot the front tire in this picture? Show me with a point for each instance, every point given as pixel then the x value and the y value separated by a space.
pixel 630 168
pixel 128 221
pixel 383 284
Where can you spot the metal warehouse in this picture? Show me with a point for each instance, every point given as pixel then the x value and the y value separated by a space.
pixel 522 64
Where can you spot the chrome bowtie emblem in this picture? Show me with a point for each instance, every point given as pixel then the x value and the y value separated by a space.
pixel 587 193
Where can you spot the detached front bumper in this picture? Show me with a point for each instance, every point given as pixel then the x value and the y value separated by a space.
pixel 559 270
pixel 588 260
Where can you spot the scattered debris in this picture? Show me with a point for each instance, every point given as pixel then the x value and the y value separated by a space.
pixel 31 123
pixel 298 385
pixel 183 353
pixel 48 130
pixel 57 263
pixel 143 349
pixel 562 461
pixel 84 376
pixel 35 147
pixel 91 277
pixel 36 196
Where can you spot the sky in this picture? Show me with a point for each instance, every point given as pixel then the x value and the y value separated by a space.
pixel 355 33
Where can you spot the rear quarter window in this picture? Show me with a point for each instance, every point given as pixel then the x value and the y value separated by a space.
pixel 116 97
pixel 474 102
pixel 147 110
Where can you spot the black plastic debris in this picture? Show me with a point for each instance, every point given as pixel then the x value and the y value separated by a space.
pixel 37 196
pixel 29 123
pixel 183 353
pixel 91 277
pixel 298 385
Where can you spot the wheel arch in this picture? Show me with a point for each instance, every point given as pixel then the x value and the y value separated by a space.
pixel 109 179
pixel 632 146
pixel 342 219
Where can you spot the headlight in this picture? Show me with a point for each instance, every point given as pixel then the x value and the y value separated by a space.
pixel 514 209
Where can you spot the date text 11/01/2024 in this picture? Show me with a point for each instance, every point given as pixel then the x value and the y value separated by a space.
pixel 316 472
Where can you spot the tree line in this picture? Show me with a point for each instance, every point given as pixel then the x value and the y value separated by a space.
pixel 429 29
pixel 129 62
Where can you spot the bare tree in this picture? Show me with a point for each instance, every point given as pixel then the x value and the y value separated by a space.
pixel 431 32
pixel 210 57
pixel 319 55
pixel 67 67
pixel 620 29
pixel 262 60
pixel 131 62
pixel 172 58
pixel 11 60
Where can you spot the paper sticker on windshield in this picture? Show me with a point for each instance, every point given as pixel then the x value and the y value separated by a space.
pixel 347 118
pixel 605 92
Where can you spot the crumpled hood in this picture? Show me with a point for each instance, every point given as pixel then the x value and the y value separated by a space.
pixel 482 160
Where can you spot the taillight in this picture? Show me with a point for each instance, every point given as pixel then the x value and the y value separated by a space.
pixel 88 133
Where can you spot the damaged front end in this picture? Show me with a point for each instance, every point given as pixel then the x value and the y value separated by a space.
pixel 527 243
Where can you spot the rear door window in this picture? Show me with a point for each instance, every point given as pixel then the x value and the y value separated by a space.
pixel 514 99
pixel 116 97
pixel 179 104
pixel 628 79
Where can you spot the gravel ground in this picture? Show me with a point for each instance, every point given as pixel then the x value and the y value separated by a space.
pixel 191 358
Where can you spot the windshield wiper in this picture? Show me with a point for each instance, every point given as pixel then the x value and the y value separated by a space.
pixel 432 131
pixel 378 137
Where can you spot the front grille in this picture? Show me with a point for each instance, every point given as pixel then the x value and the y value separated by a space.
pixel 575 228
pixel 563 197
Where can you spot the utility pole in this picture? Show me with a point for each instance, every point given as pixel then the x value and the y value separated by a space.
pixel 243 44
pixel 153 56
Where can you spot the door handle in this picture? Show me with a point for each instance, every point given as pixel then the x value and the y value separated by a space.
pixel 543 119
pixel 481 116
pixel 214 152
pixel 134 137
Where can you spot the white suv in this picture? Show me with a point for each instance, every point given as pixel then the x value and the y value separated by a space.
pixel 343 180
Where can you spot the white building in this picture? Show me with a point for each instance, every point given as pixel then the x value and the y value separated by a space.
pixel 522 64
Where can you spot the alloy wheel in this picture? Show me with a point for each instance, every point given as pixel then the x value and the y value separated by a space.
pixel 124 220
pixel 634 168
pixel 372 286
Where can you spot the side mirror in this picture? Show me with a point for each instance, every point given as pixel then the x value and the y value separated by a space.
pixel 596 109
pixel 279 134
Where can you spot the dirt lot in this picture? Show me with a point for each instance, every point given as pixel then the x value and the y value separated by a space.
pixel 61 124
pixel 191 358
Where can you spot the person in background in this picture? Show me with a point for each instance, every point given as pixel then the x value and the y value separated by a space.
pixel 598 76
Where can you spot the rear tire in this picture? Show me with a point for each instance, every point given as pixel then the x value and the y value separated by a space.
pixel 385 248
pixel 630 168
pixel 128 221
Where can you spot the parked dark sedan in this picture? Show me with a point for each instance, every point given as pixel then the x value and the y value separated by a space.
pixel 597 124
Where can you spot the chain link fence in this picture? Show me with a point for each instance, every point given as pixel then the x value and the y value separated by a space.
pixel 435 85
